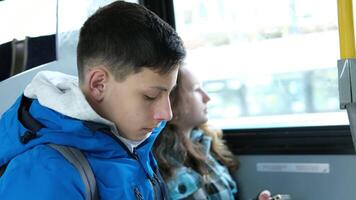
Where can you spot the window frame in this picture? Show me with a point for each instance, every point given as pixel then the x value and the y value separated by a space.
pixel 290 141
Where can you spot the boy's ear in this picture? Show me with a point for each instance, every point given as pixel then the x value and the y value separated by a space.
pixel 97 83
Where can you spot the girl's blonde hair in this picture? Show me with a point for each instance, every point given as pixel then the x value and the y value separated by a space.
pixel 174 148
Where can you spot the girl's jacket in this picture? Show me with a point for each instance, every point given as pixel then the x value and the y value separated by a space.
pixel 36 171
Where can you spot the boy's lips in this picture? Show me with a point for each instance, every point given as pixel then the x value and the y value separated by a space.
pixel 150 128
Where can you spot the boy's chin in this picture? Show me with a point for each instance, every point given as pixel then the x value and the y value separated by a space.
pixel 142 136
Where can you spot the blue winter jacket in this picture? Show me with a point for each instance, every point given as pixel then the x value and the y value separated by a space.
pixel 36 171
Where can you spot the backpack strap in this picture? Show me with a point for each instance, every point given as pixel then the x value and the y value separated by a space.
pixel 73 155
pixel 78 160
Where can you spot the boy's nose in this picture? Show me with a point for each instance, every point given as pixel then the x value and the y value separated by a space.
pixel 163 111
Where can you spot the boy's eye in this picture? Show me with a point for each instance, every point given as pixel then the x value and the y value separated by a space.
pixel 150 98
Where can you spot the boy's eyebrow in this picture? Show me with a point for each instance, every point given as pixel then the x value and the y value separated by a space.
pixel 162 88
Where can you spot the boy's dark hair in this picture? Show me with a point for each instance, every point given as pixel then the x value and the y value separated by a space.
pixel 125 37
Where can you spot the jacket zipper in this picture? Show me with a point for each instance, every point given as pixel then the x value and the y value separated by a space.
pixel 159 182
pixel 152 182
pixel 136 157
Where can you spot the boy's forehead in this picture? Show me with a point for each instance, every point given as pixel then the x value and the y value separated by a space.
pixel 151 79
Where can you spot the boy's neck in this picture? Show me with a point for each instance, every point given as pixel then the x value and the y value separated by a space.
pixel 95 106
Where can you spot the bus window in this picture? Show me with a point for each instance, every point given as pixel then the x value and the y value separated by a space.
pixel 264 63
pixel 27 18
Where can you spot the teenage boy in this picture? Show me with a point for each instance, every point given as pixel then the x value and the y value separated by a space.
pixel 128 60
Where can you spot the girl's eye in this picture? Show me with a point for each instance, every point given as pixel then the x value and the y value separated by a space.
pixel 198 89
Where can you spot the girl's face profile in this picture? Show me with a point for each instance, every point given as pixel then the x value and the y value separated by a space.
pixel 193 100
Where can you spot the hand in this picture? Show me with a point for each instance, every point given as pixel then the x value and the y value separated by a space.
pixel 264 195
